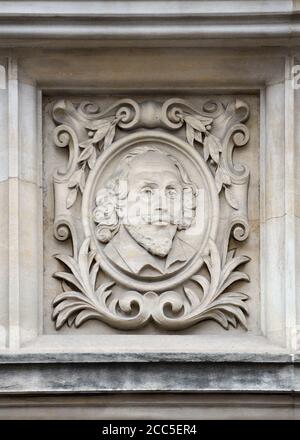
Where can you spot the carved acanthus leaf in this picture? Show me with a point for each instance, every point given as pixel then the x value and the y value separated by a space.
pixel 210 299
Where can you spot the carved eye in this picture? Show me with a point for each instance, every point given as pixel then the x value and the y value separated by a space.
pixel 171 193
pixel 147 191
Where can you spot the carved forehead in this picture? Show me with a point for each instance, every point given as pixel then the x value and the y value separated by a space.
pixel 152 161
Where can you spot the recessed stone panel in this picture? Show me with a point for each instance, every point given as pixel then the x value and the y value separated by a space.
pixel 151 214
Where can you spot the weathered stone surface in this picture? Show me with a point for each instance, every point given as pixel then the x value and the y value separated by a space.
pixel 149 377
pixel 151 80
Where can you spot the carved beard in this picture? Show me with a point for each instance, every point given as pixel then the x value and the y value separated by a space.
pixel 157 240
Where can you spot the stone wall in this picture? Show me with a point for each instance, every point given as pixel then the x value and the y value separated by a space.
pixel 149 197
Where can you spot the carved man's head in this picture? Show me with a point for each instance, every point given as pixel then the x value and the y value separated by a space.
pixel 151 195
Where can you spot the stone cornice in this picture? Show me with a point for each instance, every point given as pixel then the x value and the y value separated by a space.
pixel 150 8
pixel 192 22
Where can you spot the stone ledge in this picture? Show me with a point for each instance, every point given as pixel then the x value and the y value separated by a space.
pixel 149 377
pixel 149 357
pixel 157 406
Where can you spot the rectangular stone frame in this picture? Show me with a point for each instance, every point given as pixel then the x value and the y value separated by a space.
pixel 32 362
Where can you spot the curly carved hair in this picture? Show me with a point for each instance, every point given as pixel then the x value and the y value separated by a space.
pixel 111 198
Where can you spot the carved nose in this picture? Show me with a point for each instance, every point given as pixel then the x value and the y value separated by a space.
pixel 162 203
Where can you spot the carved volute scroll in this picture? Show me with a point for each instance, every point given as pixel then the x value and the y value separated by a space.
pixel 149 244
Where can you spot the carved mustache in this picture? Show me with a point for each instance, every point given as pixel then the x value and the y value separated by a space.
pixel 161 217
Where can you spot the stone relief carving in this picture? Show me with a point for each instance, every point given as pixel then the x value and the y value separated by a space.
pixel 156 195
pixel 147 179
